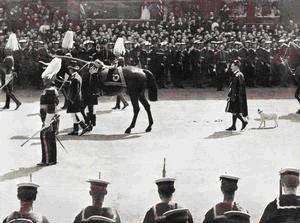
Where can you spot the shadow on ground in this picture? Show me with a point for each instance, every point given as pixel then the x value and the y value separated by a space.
pixel 292 117
pixel 104 112
pixel 263 128
pixel 89 137
pixel 99 137
pixel 222 134
pixel 21 172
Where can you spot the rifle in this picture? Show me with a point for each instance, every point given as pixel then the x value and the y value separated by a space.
pixel 45 127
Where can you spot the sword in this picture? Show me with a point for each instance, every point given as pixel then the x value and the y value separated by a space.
pixel 58 139
pixel 37 132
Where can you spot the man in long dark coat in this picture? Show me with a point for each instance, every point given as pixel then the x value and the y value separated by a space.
pixel 286 208
pixel 237 98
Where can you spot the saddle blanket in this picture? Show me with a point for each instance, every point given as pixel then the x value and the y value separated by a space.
pixel 115 77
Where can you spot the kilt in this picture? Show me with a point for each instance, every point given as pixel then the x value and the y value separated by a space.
pixel 89 100
pixel 74 107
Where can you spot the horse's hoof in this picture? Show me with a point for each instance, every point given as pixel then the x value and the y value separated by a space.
pixel 128 131
pixel 148 129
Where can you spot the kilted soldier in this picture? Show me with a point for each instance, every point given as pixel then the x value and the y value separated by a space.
pixel 89 92
pixel 237 98
pixel 285 208
pixel 228 210
pixel 96 213
pixel 26 194
pixel 48 102
pixel 221 66
pixel 74 106
pixel 7 76
pixel 157 213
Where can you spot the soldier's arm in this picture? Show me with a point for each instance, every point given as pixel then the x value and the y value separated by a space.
pixel 149 217
pixel 209 217
pixel 268 211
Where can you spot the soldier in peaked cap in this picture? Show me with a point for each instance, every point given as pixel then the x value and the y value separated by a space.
pixel 158 212
pixel 74 107
pixel 285 208
pixel 96 213
pixel 26 194
pixel 237 98
pixel 228 210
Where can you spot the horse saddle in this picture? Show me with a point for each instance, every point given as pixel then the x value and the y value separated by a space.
pixel 115 77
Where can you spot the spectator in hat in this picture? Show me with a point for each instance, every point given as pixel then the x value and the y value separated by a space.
pixel 26 194
pixel 96 212
pixel 165 191
pixel 228 210
pixel 237 98
pixel 285 208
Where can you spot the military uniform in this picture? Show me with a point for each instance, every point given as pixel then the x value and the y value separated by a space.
pixel 195 55
pixel 157 213
pixel 103 214
pixel 221 65
pixel 227 211
pixel 48 103
pixel 74 106
pixel 285 208
pixel 89 92
pixel 7 76
pixel 26 193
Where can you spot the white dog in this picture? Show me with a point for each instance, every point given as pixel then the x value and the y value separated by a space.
pixel 264 117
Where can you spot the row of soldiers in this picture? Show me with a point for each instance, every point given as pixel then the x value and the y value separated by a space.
pixel 284 209
pixel 203 63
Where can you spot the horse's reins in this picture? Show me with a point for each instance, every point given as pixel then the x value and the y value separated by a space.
pixel 286 62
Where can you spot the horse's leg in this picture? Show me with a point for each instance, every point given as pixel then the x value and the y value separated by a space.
pixel 136 109
pixel 297 93
pixel 146 105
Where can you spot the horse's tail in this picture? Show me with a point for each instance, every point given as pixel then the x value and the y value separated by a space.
pixel 152 86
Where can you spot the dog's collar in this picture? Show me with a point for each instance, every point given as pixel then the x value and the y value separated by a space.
pixel 259 112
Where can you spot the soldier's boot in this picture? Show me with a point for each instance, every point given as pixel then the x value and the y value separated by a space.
pixel 232 128
pixel 85 128
pixel 88 121
pixel 93 119
pixel 7 102
pixel 75 130
pixel 244 123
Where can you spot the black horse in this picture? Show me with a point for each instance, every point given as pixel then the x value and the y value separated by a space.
pixel 137 81
pixel 291 60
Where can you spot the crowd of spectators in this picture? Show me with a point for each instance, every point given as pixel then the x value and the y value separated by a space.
pixel 40 26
